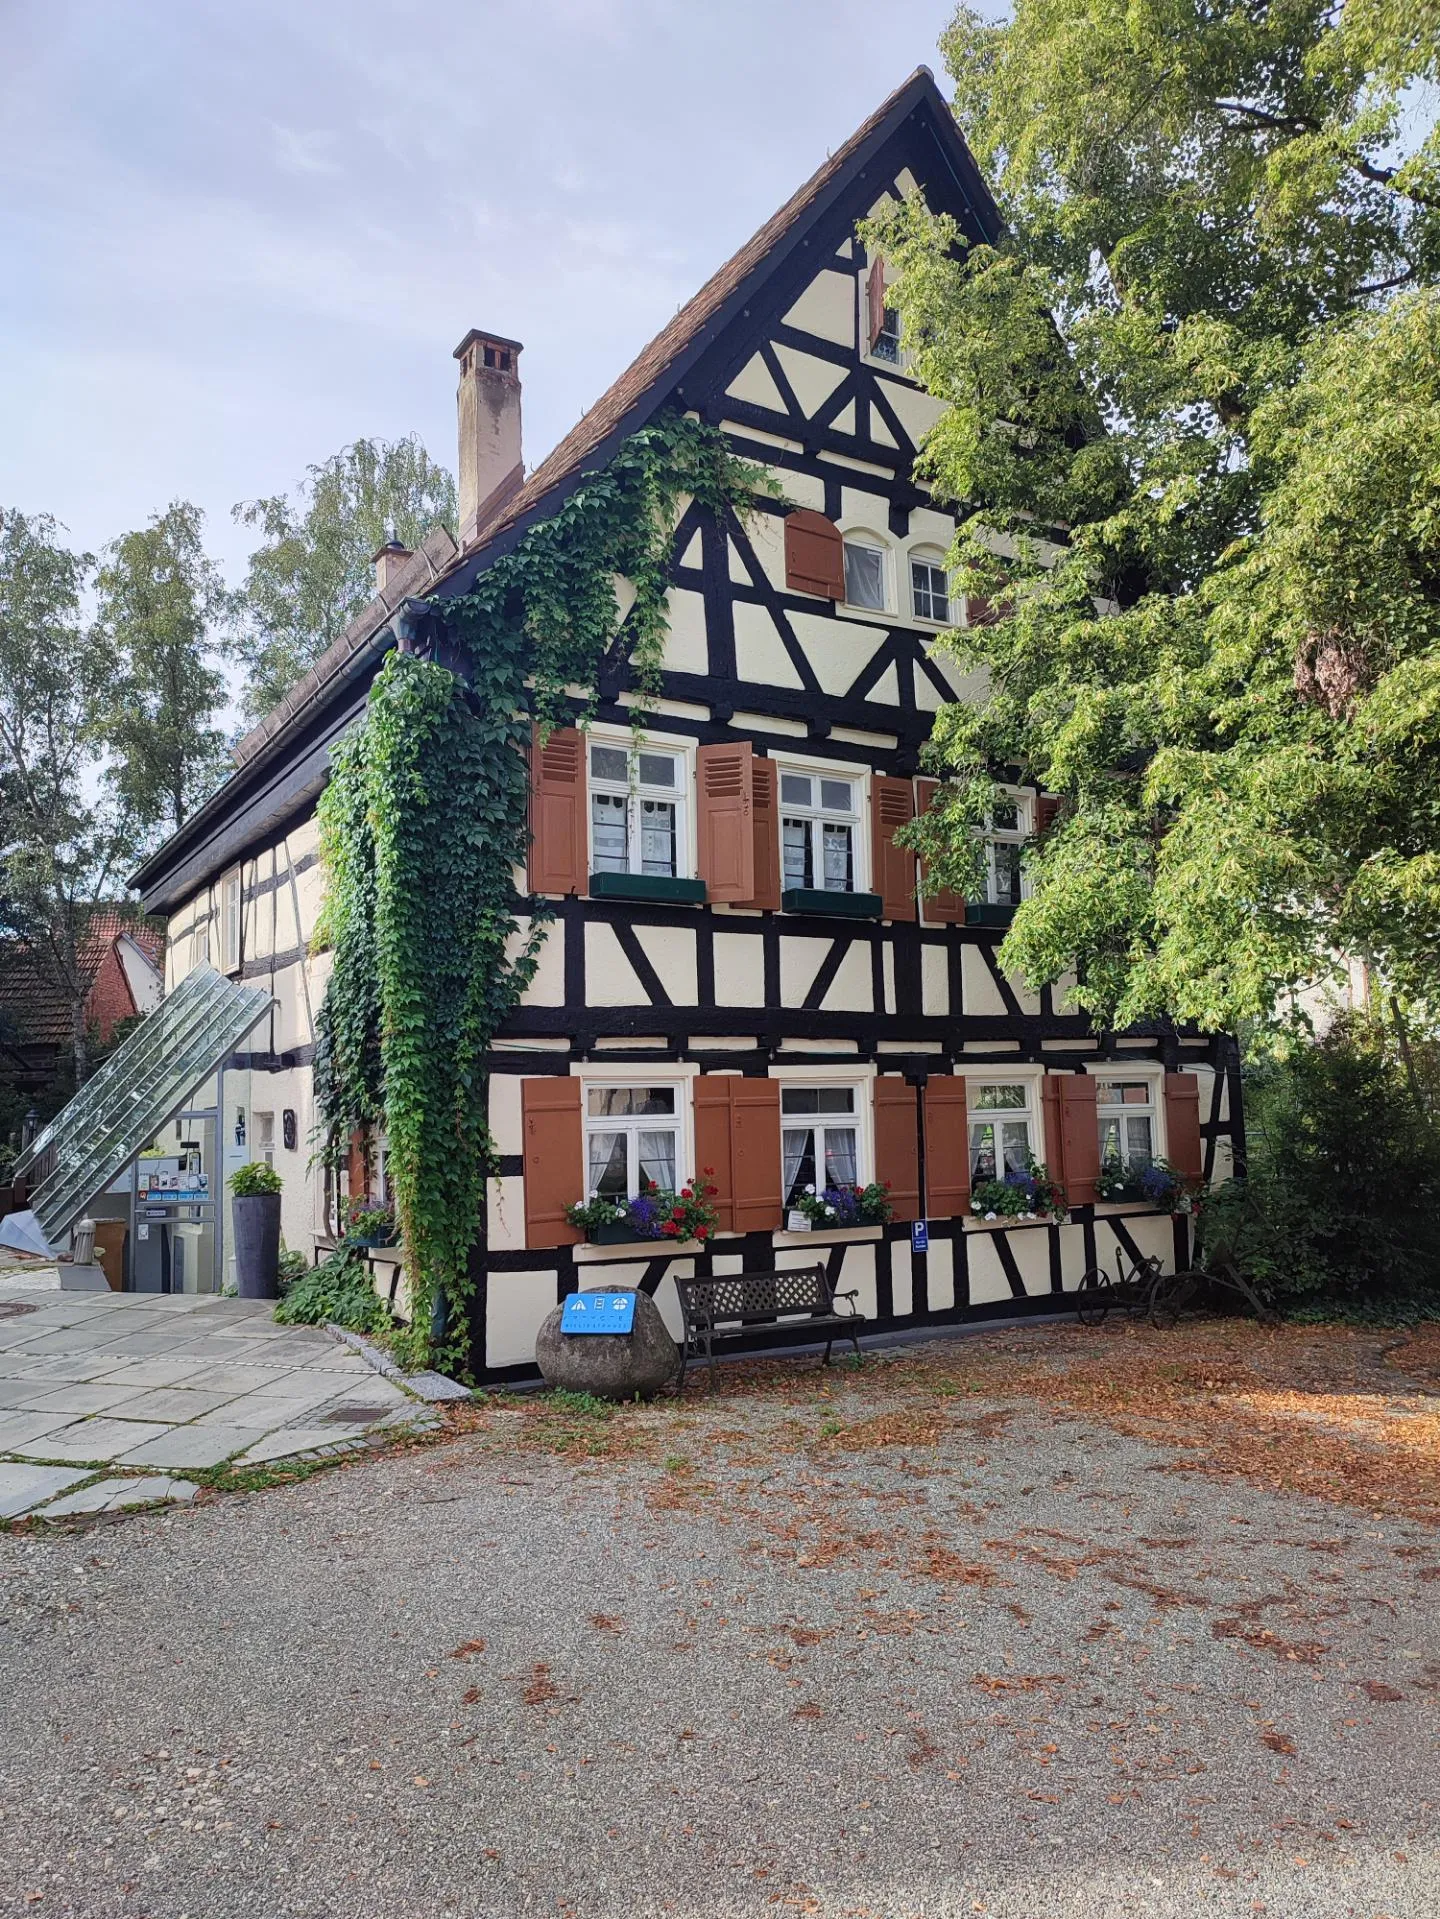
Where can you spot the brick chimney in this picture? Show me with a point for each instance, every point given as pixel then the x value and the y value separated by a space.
pixel 387 561
pixel 488 400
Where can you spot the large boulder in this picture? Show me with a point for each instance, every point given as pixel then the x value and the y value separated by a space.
pixel 609 1365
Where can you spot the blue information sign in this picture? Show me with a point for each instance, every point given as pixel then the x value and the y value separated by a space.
pixel 919 1235
pixel 598 1313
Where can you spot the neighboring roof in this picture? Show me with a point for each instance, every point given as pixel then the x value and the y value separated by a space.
pixel 29 1000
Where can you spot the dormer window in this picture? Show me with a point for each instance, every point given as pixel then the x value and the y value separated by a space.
pixel 864 573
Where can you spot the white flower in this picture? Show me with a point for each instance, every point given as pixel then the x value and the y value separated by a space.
pixel 810 1189
pixel 989 1216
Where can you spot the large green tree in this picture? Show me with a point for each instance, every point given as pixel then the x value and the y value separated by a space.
pixel 1195 425
pixel 312 574
pixel 161 601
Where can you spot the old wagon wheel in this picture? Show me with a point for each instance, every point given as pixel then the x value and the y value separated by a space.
pixel 1170 1294
pixel 1092 1300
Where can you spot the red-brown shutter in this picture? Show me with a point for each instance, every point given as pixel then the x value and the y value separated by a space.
pixel 947 1147
pixel 357 1164
pixel 755 1154
pixel 558 839
pixel 1183 1147
pixel 980 612
pixel 1047 809
pixel 814 555
pixel 1072 1135
pixel 897 1144
pixel 875 301
pixel 892 805
pixel 554 1159
pixel 943 907
pixel 726 826
pixel 765 799
pixel 714 1163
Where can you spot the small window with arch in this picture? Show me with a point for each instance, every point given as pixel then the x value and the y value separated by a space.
pixel 930 588
pixel 865 572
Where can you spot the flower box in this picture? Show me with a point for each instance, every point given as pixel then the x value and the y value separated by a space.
pixel 647 886
pixel 818 899
pixel 618 1232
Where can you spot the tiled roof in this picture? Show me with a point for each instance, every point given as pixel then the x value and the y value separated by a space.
pixel 31 1004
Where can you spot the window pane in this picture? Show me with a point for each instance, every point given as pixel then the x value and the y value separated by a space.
pixel 930 590
pixel 1007 874
pixel 607 1165
pixel 839 861
pixel 614 1102
pixel 657 837
pixel 1137 1139
pixel 797 1145
pixel 887 341
pixel 1006 817
pixel 840 1156
pixel 795 789
pixel 657 1159
pixel 795 839
pixel 989 1097
pixel 1115 1092
pixel 610 852
pixel 836 796
pixel 610 763
pixel 1110 1142
pixel 982 1150
pixel 657 769
pixel 818 1099
pixel 1015 1145
pixel 864 575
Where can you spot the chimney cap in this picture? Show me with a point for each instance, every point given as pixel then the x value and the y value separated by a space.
pixel 392 545
pixel 491 339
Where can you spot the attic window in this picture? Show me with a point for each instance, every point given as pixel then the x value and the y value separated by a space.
pixel 887 340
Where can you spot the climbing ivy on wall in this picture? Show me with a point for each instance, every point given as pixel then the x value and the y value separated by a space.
pixel 424 829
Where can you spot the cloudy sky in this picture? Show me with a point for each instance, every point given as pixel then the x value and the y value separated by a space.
pixel 239 233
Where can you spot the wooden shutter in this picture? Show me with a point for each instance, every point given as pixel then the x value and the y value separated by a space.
pixel 726 825
pixel 558 839
pixel 554 1158
pixel 765 800
pixel 947 1147
pixel 1047 809
pixel 897 1144
pixel 943 907
pixel 755 1154
pixel 1072 1135
pixel 357 1163
pixel 814 555
pixel 892 804
pixel 1183 1146
pixel 980 612
pixel 875 301
pixel 714 1163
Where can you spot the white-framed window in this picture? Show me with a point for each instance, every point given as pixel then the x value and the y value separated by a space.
pixel 820 1138
pixel 633 1138
pixel 865 564
pixel 1005 833
pixel 230 908
pixel 929 588
pixel 637 809
pixel 820 830
pixel 1125 1110
pixel 264 1146
pixel 200 942
pixel 1002 1127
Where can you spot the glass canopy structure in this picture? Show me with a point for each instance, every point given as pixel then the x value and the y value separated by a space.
pixel 142 1086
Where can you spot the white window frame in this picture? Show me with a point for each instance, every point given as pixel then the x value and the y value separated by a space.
pixel 1149 1077
pixel 816 815
pixel 1032 1114
pixel 633 1125
pixel 901 362
pixel 231 913
pixel 635 791
pixel 931 557
pixel 1007 836
pixel 871 542
pixel 819 1123
pixel 200 942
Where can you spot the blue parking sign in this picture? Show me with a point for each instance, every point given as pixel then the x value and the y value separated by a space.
pixel 919 1235
pixel 598 1313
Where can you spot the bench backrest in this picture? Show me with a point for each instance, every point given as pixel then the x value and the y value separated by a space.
pixel 802 1289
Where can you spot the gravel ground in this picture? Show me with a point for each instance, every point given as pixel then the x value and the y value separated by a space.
pixel 834 1653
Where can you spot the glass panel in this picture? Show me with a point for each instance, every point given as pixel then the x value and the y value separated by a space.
pixel 818 1099
pixel 1015 1145
pixel 657 837
pixel 1110 1142
pixel 144 1083
pixel 609 851
pixel 887 341
pixel 982 1150
pixel 1137 1139
pixel 864 576
pixel 931 591
pixel 608 1176
pixel 1005 818
pixel 795 838
pixel 1115 1092
pixel 988 1098
pixel 657 1159
pixel 610 763
pixel 839 863
pixel 657 769
pixel 795 789
pixel 841 1160
pixel 1007 874
pixel 798 1147
pixel 836 795
pixel 615 1102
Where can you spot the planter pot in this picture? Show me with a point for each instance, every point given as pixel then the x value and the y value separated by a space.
pixel 618 1233
pixel 257 1245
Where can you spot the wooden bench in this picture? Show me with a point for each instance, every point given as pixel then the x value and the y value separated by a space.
pixel 733 1304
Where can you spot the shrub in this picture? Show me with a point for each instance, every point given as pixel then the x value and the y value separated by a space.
pixel 254 1179
pixel 1342 1186
pixel 337 1292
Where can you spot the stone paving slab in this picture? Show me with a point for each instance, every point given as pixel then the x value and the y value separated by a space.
pixel 179 1404
pixel 190 1446
pixel 76 1401
pixel 114 1495
pixel 24 1487
pixel 91 1441
pixel 18 1429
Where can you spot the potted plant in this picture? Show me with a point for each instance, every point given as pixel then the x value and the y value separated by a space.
pixel 654 1213
pixel 255 1210
pixel 1027 1194
pixel 844 1205
pixel 1152 1183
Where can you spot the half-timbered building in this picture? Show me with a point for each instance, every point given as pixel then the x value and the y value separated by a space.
pixel 744 973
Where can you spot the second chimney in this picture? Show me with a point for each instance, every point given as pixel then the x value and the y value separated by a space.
pixel 388 561
pixel 488 400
